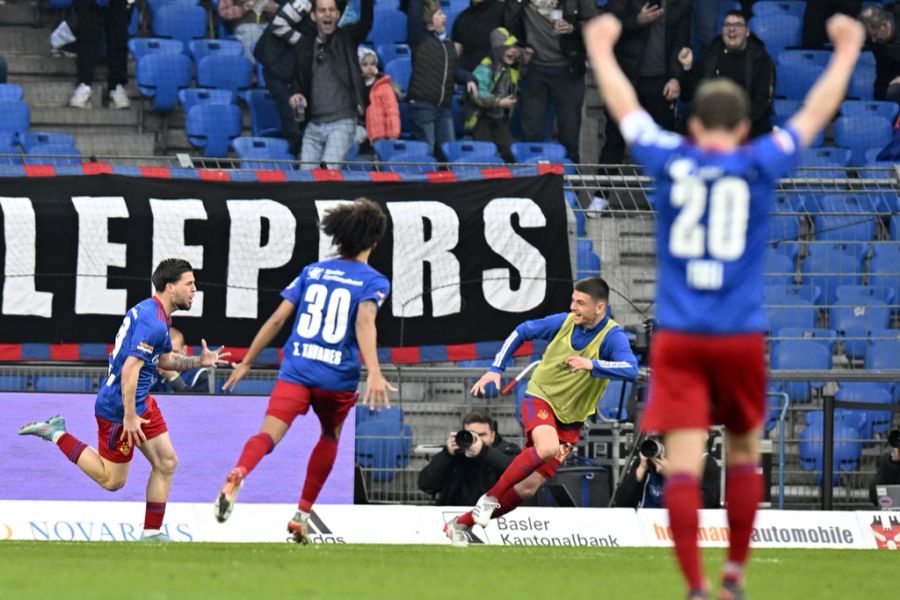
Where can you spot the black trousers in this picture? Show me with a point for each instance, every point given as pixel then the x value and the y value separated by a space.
pixel 93 22
pixel 281 93
pixel 650 95
pixel 817 12
pixel 488 129
pixel 543 86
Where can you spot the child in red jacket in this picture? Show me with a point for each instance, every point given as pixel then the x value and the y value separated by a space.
pixel 383 113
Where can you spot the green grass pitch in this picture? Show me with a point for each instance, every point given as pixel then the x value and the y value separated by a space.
pixel 72 570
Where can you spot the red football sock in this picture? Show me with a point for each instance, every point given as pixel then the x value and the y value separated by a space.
pixel 682 498
pixel 508 502
pixel 466 519
pixel 320 463
pixel 153 516
pixel 71 446
pixel 256 447
pixel 526 463
pixel 744 490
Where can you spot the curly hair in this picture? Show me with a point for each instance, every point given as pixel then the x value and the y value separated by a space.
pixel 355 226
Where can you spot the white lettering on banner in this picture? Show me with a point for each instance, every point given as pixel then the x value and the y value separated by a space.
pixel 19 294
pixel 96 254
pixel 412 249
pixel 525 258
pixel 168 239
pixel 247 255
pixel 326 242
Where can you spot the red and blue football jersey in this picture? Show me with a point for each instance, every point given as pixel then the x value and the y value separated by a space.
pixel 713 211
pixel 322 350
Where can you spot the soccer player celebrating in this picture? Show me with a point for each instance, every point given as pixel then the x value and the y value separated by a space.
pixel 713 198
pixel 586 350
pixel 338 300
pixel 127 415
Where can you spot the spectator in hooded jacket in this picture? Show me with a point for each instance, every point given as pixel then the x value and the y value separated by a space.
pixel 382 120
pixel 740 56
pixel 435 71
pixel 498 80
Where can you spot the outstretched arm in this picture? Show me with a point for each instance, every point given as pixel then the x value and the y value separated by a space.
pixel 263 338
pixel 822 101
pixel 377 386
pixel 600 37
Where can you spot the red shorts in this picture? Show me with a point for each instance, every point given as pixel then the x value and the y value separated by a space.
pixel 291 399
pixel 536 411
pixel 109 433
pixel 701 380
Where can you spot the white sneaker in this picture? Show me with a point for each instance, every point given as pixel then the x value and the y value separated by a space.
pixel 483 510
pixel 81 97
pixel 119 97
pixel 458 534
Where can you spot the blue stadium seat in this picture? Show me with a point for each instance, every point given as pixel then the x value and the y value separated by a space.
pixel 160 76
pixel 884 271
pixel 387 149
pixel 224 72
pixel 862 82
pixel 13 383
pixel 777 31
pixel 141 47
pixel 778 268
pixel 617 392
pixel 580 219
pixel 862 133
pixel 784 227
pixel 828 268
pixel 843 228
pixel 468 151
pixel 200 49
pixel 388 52
pixel 264 119
pixel 862 294
pixel 11 91
pixel 785 294
pixel 254 387
pixel 392 414
pixel 414 163
pixel 183 22
pixel 259 152
pixel 63 383
pixel 821 335
pixel 383 446
pixel 826 156
pixel 870 108
pixel 16 116
pixel 877 421
pixel 886 249
pixel 885 354
pixel 155 5
pixel 783 107
pixel 400 70
pixel 860 204
pixel 791 249
pixel 30 139
pixel 825 169
pixel 779 7
pixel 804 57
pixel 390 26
pixel 60 155
pixel 799 355
pixel 894 227
pixel 847 449
pixel 795 78
pixel 843 417
pixel 189 97
pixel 588 263
pixel 8 146
pixel 790 311
pixel 856 320
pixel 212 127
pixel 532 152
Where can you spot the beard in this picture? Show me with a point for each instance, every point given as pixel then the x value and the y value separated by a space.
pixel 183 304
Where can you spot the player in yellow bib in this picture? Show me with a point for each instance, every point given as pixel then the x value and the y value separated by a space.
pixel 586 350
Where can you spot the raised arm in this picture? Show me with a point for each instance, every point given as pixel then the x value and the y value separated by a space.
pixel 263 338
pixel 600 37
pixel 822 101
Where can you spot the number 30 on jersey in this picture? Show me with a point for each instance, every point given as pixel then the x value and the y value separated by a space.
pixel 725 237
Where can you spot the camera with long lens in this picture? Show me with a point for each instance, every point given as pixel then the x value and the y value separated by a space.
pixel 652 447
pixel 894 438
pixel 464 440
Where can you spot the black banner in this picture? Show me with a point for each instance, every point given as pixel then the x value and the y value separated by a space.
pixel 467 261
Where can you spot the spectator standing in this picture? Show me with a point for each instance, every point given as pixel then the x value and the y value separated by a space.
pixel 888 472
pixel 97 18
pixel 458 476
pixel 382 120
pixel 275 52
pixel 740 56
pixel 551 32
pixel 653 35
pixel 815 15
pixel 247 19
pixel 435 68
pixel 884 36
pixel 328 89
pixel 498 79
pixel 472 29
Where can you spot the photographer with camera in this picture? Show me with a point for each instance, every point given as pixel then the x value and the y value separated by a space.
pixel 469 464
pixel 643 484
pixel 888 472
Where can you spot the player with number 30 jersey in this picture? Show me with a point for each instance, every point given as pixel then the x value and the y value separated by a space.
pixel 336 302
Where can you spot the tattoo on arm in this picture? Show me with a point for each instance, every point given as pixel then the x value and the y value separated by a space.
pixel 180 362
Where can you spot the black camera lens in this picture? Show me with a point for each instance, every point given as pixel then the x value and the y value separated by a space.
pixel 652 448
pixel 894 438
pixel 464 439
